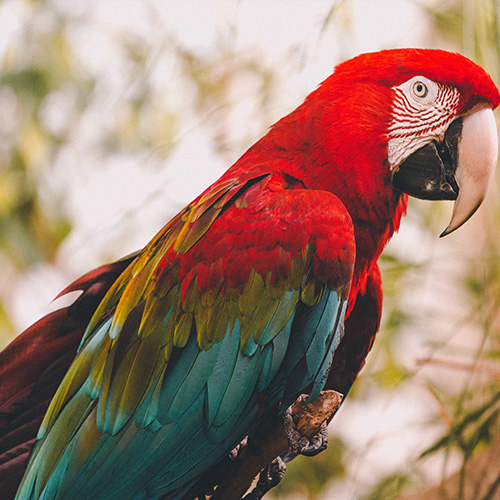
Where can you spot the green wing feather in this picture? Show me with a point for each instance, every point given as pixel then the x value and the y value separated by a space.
pixel 172 365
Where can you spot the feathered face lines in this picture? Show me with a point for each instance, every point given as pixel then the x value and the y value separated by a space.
pixel 422 111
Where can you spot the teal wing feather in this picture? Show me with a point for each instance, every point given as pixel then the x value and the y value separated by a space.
pixel 234 308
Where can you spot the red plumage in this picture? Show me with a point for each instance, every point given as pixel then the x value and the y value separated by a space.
pixel 307 210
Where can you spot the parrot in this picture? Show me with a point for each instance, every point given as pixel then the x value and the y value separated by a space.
pixel 263 288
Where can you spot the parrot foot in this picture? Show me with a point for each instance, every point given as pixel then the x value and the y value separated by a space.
pixel 268 479
pixel 299 444
pixel 296 441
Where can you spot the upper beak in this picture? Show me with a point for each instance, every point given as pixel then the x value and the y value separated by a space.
pixel 459 168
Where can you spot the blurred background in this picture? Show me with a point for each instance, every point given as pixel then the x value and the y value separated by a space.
pixel 114 115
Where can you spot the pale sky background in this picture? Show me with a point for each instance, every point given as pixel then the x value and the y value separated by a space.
pixel 290 36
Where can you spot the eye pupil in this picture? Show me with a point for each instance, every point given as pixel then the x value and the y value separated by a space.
pixel 420 89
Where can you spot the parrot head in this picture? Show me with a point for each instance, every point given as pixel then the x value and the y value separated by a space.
pixel 442 137
pixel 422 117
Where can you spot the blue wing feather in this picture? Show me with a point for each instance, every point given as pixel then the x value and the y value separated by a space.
pixel 193 383
pixel 138 435
pixel 221 375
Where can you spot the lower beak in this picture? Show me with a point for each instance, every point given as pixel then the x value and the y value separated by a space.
pixel 459 168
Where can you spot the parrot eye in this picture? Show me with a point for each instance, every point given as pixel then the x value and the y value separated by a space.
pixel 420 89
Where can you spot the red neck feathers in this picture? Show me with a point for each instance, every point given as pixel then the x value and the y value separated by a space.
pixel 336 141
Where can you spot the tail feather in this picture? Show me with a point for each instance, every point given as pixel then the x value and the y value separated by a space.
pixel 33 366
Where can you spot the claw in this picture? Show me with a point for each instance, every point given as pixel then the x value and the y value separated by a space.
pixel 268 479
pixel 318 443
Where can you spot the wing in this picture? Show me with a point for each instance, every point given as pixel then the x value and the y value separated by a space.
pixel 234 308
pixel 33 366
pixel 361 326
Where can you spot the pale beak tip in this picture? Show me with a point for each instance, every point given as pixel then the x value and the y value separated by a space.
pixel 477 158
pixel 445 233
pixel 448 230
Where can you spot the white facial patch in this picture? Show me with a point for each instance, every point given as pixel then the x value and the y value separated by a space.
pixel 421 113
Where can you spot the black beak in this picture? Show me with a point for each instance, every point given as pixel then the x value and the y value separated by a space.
pixel 429 172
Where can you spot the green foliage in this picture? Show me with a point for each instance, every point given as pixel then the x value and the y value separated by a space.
pixel 34 67
pixel 391 487
pixel 213 76
pixel 471 428
pixel 49 95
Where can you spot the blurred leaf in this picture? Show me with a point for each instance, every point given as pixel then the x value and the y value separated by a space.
pixel 391 487
pixel 471 428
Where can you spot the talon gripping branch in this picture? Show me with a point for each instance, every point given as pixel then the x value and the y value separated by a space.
pixel 169 358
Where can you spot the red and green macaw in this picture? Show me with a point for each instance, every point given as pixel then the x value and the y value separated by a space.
pixel 170 357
